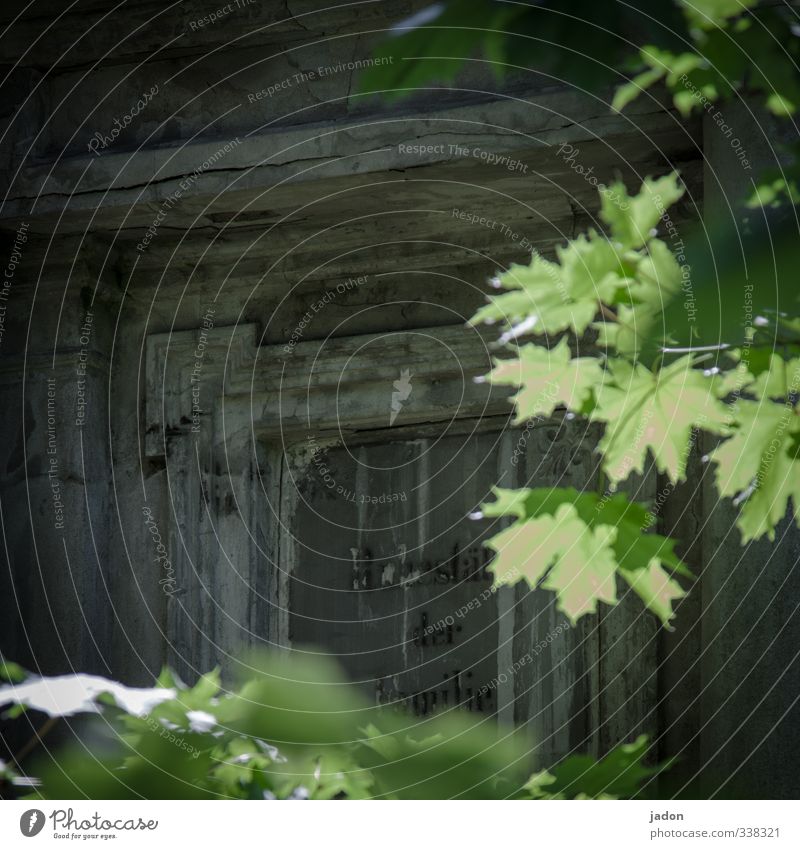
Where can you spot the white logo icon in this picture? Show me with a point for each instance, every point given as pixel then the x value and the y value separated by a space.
pixel 31 822
pixel 402 393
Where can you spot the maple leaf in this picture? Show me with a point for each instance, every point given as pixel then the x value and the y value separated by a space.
pixel 585 572
pixel 779 379
pixel 760 465
pixel 548 379
pixel 539 296
pixel 655 280
pixel 561 553
pixel 658 411
pixel 633 219
pixel 734 381
pixel 633 547
pixel 550 297
pixel 593 269
pixel 634 550
pixel 656 589
pixel 618 775
pixel 658 276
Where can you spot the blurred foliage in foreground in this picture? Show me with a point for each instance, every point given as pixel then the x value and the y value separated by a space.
pixel 292 730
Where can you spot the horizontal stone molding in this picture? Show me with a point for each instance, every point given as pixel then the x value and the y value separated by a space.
pixel 131 186
pixel 286 391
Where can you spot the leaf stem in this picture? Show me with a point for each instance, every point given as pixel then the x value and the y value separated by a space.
pixel 607 313
pixel 602 482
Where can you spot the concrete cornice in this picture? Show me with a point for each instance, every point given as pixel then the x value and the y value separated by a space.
pixel 131 188
pixel 312 387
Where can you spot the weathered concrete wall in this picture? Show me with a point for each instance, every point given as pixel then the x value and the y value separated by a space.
pixel 729 677
pixel 199 238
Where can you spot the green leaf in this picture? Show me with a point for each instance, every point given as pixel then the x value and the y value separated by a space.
pixel 616 776
pixel 639 329
pixel 551 297
pixel 714 13
pixel 584 571
pixel 736 380
pixel 655 588
pixel 592 268
pixel 634 271
pixel 777 379
pixel 12 672
pixel 633 548
pixel 548 379
pixel 565 555
pixel 627 93
pixel 539 295
pixel 643 410
pixel 760 466
pixel 641 558
pixel 632 219
pixel 658 277
pixel 244 764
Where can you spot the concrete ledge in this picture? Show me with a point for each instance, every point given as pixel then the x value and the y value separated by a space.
pixel 126 183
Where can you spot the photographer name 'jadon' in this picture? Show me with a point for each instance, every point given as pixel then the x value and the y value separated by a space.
pixel 656 816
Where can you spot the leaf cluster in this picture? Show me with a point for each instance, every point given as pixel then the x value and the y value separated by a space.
pixel 652 400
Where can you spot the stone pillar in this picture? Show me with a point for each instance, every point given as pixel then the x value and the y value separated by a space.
pixel 750 732
pixel 54 371
pixel 212 511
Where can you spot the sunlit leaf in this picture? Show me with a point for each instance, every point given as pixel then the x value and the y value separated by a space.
pixel 548 379
pixel 655 588
pixel 759 466
pixel 563 554
pixel 633 218
pixel 656 411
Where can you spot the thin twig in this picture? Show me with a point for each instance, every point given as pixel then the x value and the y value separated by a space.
pixel 696 349
pixel 36 739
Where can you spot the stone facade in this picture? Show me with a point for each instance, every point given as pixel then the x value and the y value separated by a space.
pixel 236 280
